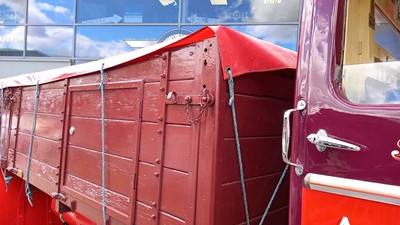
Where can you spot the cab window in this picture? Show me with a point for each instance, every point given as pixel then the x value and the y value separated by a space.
pixel 371 67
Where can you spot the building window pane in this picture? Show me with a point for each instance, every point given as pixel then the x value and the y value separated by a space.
pixel 282 35
pixel 51 11
pixel 127 11
pixel 52 41
pixel 105 41
pixel 12 11
pixel 11 40
pixel 240 11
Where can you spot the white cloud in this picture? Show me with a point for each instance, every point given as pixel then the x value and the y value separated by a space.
pixel 56 9
pixel 274 33
pixel 53 40
pixel 87 47
pixel 286 10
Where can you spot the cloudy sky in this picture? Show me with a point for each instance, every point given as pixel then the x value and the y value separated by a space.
pixel 96 42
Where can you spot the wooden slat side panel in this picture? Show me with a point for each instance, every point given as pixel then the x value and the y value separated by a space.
pixel 166 218
pixel 259 191
pixel 270 84
pixel 176 194
pixel 121 137
pixel 279 216
pixel 150 100
pixel 86 165
pixel 50 101
pixel 180 148
pixel 114 201
pixel 143 214
pixel 42 175
pixel 175 113
pixel 119 104
pixel 149 71
pixel 256 116
pixel 146 188
pixel 44 150
pixel 148 143
pixel 47 126
pixel 183 63
pixel 260 156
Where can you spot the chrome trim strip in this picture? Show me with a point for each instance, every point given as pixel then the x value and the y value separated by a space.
pixel 372 191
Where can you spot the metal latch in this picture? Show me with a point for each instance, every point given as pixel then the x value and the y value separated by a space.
pixel 204 100
pixel 322 141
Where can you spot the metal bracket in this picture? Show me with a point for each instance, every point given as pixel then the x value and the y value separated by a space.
pixel 205 98
pixel 301 105
pixel 58 196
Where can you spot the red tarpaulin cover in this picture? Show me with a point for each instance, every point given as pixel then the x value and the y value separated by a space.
pixel 243 53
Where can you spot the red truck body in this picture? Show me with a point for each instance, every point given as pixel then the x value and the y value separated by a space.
pixel 170 152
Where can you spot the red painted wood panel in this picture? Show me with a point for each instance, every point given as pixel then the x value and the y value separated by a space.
pixel 40 169
pixel 176 194
pixel 260 156
pixel 149 144
pixel 149 71
pixel 259 191
pixel 256 116
pixel 270 84
pixel 168 219
pixel 150 101
pixel 121 136
pixel 279 216
pixel 180 147
pixel 47 126
pixel 183 63
pixel 119 104
pixel 175 113
pixel 41 175
pixel 44 150
pixel 91 192
pixel 86 165
pixel 144 214
pixel 146 184
pixel 50 101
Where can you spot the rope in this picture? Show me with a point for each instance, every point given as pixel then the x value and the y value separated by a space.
pixel 274 194
pixel 28 192
pixel 232 105
pixel 6 179
pixel 103 188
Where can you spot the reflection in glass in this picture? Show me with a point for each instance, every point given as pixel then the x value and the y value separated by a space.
pixel 386 35
pixel 11 40
pixel 282 35
pixel 50 11
pixel 127 11
pixel 372 83
pixel 105 41
pixel 238 11
pixel 12 11
pixel 52 41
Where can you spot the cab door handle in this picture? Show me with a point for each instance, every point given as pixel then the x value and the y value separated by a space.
pixel 322 141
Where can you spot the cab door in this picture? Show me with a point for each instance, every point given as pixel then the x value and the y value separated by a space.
pixel 344 129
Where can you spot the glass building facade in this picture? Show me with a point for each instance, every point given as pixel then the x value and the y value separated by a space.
pixel 86 30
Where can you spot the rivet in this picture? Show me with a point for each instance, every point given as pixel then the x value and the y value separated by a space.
pixel 158 161
pixel 162 88
pixel 153 217
pixel 160 118
pixel 159 131
pixel 164 57
pixel 156 174
pixel 163 75
pixel 154 204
